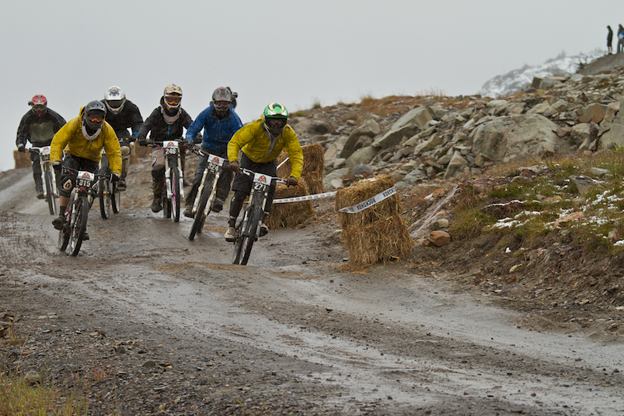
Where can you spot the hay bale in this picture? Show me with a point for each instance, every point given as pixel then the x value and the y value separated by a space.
pixel 22 160
pixel 360 192
pixel 313 167
pixel 378 233
pixel 290 214
pixel 139 152
pixel 384 240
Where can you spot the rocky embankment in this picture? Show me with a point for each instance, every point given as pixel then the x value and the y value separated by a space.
pixel 419 138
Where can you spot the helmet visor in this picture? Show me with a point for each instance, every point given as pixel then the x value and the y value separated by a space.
pixel 114 103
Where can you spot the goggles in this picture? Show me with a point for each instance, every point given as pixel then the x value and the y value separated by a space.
pixel 39 108
pixel 95 117
pixel 173 100
pixel 222 104
pixel 276 123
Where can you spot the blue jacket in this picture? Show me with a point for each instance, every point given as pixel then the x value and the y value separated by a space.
pixel 217 132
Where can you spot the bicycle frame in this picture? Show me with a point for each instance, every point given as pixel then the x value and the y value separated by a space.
pixel 214 166
pixel 172 156
pixel 77 212
pixel 44 161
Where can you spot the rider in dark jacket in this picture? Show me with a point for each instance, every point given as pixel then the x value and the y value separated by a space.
pixel 38 127
pixel 122 115
pixel 219 122
pixel 166 122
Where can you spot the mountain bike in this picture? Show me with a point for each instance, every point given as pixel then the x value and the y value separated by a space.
pixel 173 191
pixel 248 228
pixel 47 175
pixel 207 191
pixel 107 189
pixel 77 211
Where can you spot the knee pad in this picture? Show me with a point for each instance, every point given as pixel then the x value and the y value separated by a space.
pixel 125 150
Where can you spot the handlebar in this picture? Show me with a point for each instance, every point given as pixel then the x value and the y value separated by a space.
pixel 272 179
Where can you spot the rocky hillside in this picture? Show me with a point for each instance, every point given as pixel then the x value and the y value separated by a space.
pixel 415 139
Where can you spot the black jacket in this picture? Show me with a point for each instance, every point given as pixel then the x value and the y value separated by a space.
pixel 159 128
pixel 128 118
pixel 38 130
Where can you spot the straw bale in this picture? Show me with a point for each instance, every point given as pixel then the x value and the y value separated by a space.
pixel 22 160
pixel 290 214
pixel 313 161
pixel 381 241
pixel 314 181
pixel 360 192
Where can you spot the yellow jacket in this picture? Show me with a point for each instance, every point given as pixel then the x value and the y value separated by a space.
pixel 255 143
pixel 70 138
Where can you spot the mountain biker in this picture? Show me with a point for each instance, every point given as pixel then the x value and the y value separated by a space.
pixel 165 123
pixel 82 139
pixel 219 122
pixel 261 142
pixel 122 114
pixel 38 127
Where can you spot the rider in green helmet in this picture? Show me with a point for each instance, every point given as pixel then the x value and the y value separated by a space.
pixel 260 143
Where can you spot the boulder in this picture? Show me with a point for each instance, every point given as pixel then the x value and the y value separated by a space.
pixel 616 134
pixel 512 137
pixel 369 129
pixel 409 124
pixel 594 112
pixel 439 238
pixel 456 166
pixel 361 156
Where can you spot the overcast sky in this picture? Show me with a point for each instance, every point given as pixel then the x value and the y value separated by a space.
pixel 296 52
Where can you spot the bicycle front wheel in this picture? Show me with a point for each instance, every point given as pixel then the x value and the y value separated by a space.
pixel 50 197
pixel 250 236
pixel 80 215
pixel 115 198
pixel 175 198
pixel 200 215
pixel 104 196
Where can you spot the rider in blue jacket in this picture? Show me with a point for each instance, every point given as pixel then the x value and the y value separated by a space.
pixel 219 122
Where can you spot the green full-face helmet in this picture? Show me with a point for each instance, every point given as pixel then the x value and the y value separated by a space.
pixel 274 118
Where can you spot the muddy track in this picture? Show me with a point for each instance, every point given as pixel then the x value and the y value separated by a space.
pixel 387 341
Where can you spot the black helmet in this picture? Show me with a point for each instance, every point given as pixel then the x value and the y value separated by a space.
pixel 93 117
pixel 221 100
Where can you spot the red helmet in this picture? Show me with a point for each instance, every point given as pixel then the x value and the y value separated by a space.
pixel 39 100
pixel 39 104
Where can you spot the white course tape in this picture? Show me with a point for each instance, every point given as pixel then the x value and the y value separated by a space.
pixel 370 202
pixel 351 210
pixel 304 198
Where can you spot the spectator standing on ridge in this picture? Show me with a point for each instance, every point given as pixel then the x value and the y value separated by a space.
pixel 38 127
pixel 620 35
pixel 609 40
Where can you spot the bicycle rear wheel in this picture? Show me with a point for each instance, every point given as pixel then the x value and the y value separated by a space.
pixel 200 215
pixel 175 198
pixel 104 196
pixel 79 219
pixel 50 197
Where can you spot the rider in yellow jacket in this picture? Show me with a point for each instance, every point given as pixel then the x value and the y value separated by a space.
pixel 260 143
pixel 82 139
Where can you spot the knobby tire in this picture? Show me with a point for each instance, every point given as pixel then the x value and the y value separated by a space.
pixel 79 219
pixel 50 197
pixel 200 215
pixel 115 198
pixel 250 236
pixel 175 198
pixel 104 196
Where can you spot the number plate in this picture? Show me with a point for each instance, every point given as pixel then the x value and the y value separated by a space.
pixel 171 145
pixel 262 179
pixel 216 160
pixel 45 151
pixel 83 174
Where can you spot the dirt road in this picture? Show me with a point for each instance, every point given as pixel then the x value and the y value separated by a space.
pixel 177 329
